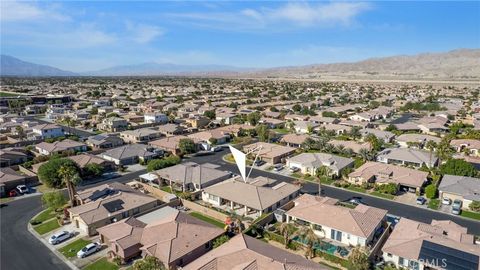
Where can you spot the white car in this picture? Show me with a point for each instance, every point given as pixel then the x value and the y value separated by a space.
pixel 294 169
pixel 22 189
pixel 60 237
pixel 446 201
pixel 88 250
pixel 278 167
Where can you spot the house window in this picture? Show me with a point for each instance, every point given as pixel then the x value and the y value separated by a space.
pixel 401 261
pixel 317 227
pixel 124 214
pixel 389 254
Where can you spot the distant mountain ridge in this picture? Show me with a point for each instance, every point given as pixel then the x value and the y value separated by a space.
pixel 152 69
pixel 453 64
pixel 456 64
pixel 11 66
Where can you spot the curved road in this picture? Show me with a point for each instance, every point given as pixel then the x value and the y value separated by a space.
pixel 19 249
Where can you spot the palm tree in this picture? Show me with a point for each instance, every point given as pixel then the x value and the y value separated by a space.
pixel 365 154
pixel 322 171
pixel 309 238
pixel 431 145
pixel 287 230
pixel 70 178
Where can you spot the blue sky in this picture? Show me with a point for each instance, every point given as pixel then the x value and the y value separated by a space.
pixel 83 36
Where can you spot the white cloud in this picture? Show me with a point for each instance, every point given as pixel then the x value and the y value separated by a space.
pixel 288 15
pixel 307 14
pixel 144 33
pixel 27 11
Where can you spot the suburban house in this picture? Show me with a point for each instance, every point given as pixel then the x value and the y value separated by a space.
pixel 218 136
pixel 171 129
pixel 10 179
pixel 253 198
pixel 464 188
pixel 381 173
pixel 338 129
pixel 190 176
pixel 406 140
pixel 348 226
pixel 171 144
pixel 82 160
pixel 130 154
pixel 245 252
pixel 226 118
pixel 408 157
pixel 442 244
pixel 471 146
pixel 269 152
pixel 272 122
pixel 305 127
pixel 141 135
pixel 155 118
pixel 355 146
pixel 308 163
pixel 46 131
pixel 324 120
pixel 13 156
pixel 197 121
pixel 113 124
pixel 104 141
pixel 106 204
pixel 45 148
pixel 386 136
pixel 294 140
pixel 173 237
pixel 433 125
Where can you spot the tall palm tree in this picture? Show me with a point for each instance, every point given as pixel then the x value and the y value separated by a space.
pixel 431 145
pixel 287 230
pixel 322 171
pixel 364 153
pixel 70 178
pixel 309 238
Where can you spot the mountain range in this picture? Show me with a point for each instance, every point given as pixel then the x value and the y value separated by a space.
pixel 456 64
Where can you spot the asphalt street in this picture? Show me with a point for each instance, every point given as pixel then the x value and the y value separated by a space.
pixel 20 250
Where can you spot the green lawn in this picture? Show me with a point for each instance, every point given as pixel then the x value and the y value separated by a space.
pixel 383 195
pixel 469 214
pixel 166 189
pixel 45 215
pixel 5 94
pixel 71 249
pixel 281 130
pixel 102 264
pixel 434 204
pixel 208 219
pixel 357 189
pixel 47 226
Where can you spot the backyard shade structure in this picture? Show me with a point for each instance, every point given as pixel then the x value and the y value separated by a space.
pixel 149 177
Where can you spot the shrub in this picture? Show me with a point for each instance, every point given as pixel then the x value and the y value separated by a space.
pixel 475 206
pixel 157 164
pixel 389 188
pixel 458 167
pixel 431 191
pixel 48 172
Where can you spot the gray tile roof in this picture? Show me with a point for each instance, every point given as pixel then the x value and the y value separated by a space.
pixel 467 187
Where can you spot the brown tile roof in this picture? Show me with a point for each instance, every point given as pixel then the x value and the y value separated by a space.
pixel 408 236
pixel 97 200
pixel 388 173
pixel 360 221
pixel 251 195
pixel 245 252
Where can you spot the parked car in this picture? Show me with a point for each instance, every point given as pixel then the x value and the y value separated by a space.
pixel 278 167
pixel 22 189
pixel 294 169
pixel 259 162
pixel 216 149
pixel 456 207
pixel 446 201
pixel 421 200
pixel 60 237
pixel 356 200
pixel 88 250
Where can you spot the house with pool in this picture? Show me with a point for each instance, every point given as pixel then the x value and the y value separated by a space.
pixel 336 223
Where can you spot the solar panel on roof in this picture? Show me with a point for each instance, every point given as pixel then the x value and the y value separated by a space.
pixel 447 257
pixel 114 205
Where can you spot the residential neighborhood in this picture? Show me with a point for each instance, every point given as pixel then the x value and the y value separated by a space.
pixel 239 135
